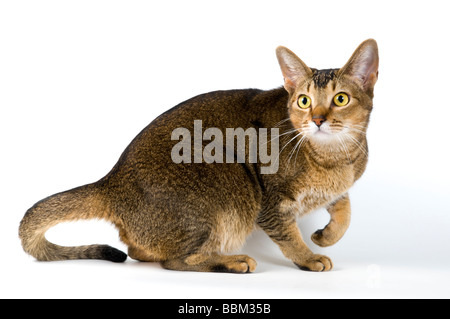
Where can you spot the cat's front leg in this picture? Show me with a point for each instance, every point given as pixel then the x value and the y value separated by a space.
pixel 283 230
pixel 340 213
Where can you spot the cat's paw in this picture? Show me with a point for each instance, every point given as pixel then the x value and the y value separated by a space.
pixel 324 238
pixel 235 264
pixel 316 263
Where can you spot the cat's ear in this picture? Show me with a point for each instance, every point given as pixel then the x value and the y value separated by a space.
pixel 363 65
pixel 293 69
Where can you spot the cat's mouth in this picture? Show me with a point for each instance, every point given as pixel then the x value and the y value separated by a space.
pixel 323 133
pixel 322 130
pixel 327 132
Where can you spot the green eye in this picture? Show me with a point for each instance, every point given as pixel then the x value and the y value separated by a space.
pixel 341 99
pixel 304 102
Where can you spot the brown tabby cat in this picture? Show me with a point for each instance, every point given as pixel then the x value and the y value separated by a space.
pixel 188 215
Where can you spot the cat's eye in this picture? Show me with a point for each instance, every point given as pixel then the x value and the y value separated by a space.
pixel 341 99
pixel 304 101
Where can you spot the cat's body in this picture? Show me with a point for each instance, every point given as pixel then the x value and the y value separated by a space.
pixel 189 215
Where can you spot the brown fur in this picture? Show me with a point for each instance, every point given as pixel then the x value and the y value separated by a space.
pixel 188 216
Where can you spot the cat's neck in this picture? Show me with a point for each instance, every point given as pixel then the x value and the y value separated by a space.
pixel 344 153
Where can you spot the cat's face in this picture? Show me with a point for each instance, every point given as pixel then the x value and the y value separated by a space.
pixel 334 105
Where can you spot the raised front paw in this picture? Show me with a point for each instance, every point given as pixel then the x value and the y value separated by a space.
pixel 315 263
pixel 320 239
pixel 326 237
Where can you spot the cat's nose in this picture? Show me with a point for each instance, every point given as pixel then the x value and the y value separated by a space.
pixel 319 120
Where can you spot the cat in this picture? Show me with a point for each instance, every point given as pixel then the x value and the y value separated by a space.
pixel 190 215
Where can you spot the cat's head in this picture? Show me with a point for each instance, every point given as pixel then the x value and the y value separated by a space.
pixel 327 106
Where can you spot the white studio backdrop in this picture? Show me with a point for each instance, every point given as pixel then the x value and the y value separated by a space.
pixel 80 79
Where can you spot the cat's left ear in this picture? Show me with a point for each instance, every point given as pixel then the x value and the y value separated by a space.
pixel 363 65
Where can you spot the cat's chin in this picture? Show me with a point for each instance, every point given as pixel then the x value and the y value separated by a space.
pixel 322 137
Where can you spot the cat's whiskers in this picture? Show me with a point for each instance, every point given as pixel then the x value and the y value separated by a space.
pixel 296 147
pixel 342 142
pixel 355 129
pixel 302 140
pixel 292 139
pixel 356 142
pixel 277 125
pixel 360 127
pixel 282 122
pixel 278 136
pixel 336 129
pixel 305 129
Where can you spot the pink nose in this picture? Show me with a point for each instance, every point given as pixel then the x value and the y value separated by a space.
pixel 319 120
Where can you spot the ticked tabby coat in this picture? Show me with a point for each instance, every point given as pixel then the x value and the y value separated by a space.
pixel 190 215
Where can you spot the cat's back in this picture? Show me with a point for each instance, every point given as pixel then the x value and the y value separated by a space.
pixel 146 170
pixel 215 109
pixel 151 148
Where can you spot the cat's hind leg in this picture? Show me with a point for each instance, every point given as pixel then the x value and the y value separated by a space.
pixel 141 254
pixel 212 263
pixel 134 251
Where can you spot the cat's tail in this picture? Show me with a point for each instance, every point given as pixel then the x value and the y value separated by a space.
pixel 82 202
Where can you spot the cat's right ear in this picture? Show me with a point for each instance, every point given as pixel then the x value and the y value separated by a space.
pixel 293 69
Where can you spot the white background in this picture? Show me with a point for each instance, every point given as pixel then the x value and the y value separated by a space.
pixel 79 79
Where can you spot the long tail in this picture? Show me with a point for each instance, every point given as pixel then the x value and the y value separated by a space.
pixel 79 203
